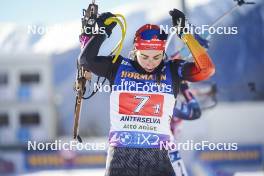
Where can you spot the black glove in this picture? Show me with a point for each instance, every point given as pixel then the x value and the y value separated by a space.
pixel 101 19
pixel 178 20
pixel 184 87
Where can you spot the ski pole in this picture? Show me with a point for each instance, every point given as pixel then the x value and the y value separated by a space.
pixel 216 22
pixel 239 3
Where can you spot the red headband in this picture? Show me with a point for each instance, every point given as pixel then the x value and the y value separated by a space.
pixel 153 44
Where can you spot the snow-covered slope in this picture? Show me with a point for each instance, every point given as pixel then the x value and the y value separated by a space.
pixel 14 38
pixel 59 39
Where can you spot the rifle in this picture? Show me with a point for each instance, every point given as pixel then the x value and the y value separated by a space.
pixel 88 20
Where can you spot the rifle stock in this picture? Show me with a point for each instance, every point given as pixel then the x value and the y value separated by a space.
pixel 80 89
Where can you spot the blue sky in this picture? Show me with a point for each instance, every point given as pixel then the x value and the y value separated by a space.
pixel 49 11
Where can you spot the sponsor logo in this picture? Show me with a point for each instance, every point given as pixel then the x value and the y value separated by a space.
pixel 133 75
pixel 140 119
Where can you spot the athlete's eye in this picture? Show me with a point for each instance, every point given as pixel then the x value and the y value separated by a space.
pixel 144 57
pixel 158 57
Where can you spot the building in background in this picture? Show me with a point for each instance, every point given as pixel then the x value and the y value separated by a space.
pixel 27 109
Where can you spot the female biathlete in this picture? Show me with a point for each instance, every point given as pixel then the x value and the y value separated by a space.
pixel 144 88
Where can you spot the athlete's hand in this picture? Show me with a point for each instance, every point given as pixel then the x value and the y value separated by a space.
pixel 101 19
pixel 87 75
pixel 178 20
pixel 184 86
